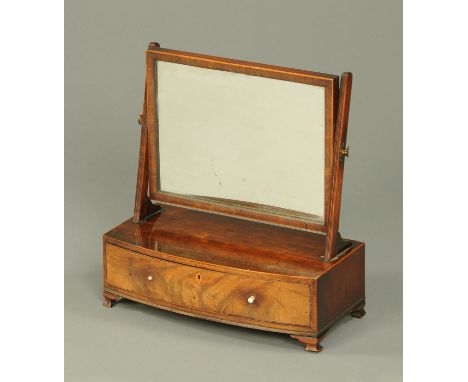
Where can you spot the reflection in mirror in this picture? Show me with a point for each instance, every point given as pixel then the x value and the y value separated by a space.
pixel 241 139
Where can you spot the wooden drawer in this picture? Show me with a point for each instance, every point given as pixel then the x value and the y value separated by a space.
pixel 224 295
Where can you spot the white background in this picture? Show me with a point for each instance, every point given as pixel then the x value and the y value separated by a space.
pixel 435 191
pixel 31 157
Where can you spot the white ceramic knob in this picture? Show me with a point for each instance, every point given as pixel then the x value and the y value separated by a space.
pixel 150 278
pixel 251 299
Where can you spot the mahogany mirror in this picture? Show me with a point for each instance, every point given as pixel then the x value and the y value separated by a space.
pixel 238 198
pixel 250 141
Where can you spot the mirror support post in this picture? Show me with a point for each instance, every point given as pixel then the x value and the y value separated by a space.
pixel 144 208
pixel 334 243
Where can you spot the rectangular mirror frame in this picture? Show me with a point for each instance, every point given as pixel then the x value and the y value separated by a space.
pixel 256 212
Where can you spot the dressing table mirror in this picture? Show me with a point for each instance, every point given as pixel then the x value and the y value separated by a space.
pixel 237 205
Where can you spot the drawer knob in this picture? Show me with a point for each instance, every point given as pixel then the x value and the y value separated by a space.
pixel 251 299
pixel 150 278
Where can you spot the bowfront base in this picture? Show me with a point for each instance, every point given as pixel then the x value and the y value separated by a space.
pixel 234 271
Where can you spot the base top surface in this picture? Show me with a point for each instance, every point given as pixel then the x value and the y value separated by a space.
pixel 228 241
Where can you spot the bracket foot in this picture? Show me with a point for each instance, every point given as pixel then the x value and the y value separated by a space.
pixel 312 344
pixel 358 311
pixel 109 299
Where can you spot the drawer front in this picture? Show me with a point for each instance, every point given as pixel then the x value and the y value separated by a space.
pixel 223 294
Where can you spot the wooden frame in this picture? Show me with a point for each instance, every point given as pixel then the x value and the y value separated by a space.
pixel 271 270
pixel 336 118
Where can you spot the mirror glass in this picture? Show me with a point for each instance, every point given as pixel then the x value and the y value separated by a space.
pixel 235 137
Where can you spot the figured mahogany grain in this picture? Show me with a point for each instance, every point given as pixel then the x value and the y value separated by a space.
pixel 234 258
pixel 208 291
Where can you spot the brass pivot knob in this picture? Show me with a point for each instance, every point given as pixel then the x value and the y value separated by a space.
pixel 251 299
pixel 150 278
pixel 140 119
pixel 344 152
